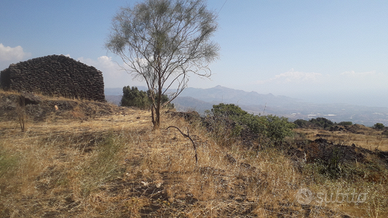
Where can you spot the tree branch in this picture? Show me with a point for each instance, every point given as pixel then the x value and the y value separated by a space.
pixel 187 136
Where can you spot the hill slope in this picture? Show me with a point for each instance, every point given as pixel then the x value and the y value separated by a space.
pixel 114 165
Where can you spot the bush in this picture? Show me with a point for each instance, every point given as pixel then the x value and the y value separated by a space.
pixel 300 123
pixel 228 110
pixel 278 127
pixel 322 122
pixel 378 126
pixel 137 98
pixel 272 127
pixel 238 116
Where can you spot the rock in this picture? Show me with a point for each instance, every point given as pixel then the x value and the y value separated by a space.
pixel 31 98
pixel 230 159
pixel 337 128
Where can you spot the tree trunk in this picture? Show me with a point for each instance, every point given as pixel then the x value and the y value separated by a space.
pixel 153 114
pixel 159 94
pixel 156 121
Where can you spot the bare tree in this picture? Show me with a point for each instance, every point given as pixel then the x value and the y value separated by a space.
pixel 162 42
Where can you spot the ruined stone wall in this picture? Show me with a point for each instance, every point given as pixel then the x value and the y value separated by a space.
pixel 55 75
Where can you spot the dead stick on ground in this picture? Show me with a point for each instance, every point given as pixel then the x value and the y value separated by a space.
pixel 188 136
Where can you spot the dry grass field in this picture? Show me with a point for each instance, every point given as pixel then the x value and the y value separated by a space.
pixel 71 164
pixel 362 136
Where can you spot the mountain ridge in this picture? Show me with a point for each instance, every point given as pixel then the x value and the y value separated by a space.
pixel 262 104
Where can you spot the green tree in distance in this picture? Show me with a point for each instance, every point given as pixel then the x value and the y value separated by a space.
pixel 134 97
pixel 138 98
pixel 162 42
pixel 378 126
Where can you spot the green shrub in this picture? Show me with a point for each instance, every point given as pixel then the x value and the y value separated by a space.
pixel 228 110
pixel 240 117
pixel 272 127
pixel 322 122
pixel 278 127
pixel 378 126
pixel 300 123
pixel 138 98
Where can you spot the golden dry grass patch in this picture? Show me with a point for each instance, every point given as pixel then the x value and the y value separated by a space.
pixel 116 166
pixel 370 139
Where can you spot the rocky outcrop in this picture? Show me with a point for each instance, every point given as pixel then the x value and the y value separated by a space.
pixel 55 75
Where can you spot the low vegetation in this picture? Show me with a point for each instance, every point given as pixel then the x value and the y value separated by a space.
pixel 319 122
pixel 113 164
pixel 379 126
pixel 241 123
pixel 133 97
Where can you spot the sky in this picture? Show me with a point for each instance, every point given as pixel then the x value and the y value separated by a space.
pixel 324 51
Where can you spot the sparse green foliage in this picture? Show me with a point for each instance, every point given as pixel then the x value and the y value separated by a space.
pixel 162 41
pixel 333 169
pixel 103 166
pixel 165 100
pixel 378 126
pixel 7 162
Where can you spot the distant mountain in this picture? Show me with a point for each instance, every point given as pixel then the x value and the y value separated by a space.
pixel 114 99
pixel 264 104
pixel 189 103
pixel 253 102
pixel 222 94
pixel 113 91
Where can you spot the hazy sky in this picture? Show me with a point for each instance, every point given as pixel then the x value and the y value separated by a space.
pixel 321 51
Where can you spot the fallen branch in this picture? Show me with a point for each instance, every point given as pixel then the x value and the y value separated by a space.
pixel 188 136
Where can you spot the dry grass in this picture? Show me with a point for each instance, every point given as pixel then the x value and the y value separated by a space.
pixel 370 139
pixel 116 166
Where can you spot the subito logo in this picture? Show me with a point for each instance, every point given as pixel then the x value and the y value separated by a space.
pixel 304 196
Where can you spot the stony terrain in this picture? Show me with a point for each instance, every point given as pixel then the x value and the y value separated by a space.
pixel 40 108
